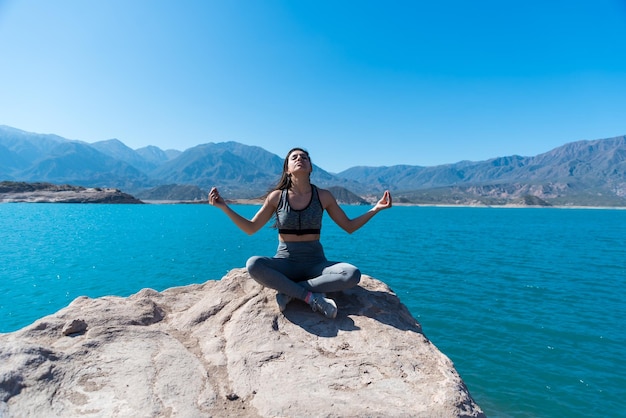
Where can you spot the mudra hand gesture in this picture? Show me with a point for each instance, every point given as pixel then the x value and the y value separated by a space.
pixel 215 199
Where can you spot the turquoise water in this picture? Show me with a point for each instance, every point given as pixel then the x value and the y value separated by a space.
pixel 528 303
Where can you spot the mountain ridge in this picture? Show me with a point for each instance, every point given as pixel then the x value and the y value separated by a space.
pixel 587 172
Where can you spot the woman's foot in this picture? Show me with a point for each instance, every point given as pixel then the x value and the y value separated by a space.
pixel 282 300
pixel 320 303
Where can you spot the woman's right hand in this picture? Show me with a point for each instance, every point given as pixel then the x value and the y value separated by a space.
pixel 215 199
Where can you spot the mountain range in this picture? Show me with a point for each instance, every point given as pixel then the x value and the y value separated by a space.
pixel 586 173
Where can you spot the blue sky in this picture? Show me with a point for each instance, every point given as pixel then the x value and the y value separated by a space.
pixel 363 82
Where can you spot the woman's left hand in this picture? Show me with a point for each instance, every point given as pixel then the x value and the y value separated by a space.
pixel 384 202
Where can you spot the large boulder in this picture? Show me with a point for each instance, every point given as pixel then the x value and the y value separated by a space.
pixel 222 348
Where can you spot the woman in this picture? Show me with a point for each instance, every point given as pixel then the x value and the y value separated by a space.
pixel 300 270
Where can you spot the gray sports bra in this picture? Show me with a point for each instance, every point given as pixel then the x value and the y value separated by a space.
pixel 299 222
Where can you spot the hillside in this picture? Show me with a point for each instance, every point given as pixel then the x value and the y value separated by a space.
pixel 588 173
pixel 173 192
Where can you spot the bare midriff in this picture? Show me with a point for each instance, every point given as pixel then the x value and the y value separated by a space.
pixel 298 238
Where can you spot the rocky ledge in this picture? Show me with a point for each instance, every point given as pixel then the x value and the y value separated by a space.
pixel 12 192
pixel 222 348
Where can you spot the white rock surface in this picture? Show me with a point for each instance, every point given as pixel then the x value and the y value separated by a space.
pixel 223 349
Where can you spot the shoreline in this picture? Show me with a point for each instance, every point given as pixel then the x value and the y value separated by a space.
pixel 259 202
pixel 21 192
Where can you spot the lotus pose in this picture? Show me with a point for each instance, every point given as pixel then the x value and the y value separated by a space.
pixel 300 270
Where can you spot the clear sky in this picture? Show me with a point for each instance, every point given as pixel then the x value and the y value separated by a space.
pixel 358 82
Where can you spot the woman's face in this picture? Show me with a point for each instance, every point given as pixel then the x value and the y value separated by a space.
pixel 299 160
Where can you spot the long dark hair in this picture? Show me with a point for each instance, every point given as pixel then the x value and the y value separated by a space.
pixel 285 178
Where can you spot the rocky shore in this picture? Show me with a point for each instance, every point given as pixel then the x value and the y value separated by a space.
pixel 15 192
pixel 222 348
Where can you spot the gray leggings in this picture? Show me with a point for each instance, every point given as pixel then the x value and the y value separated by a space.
pixel 301 267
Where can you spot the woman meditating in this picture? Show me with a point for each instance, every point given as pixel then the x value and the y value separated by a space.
pixel 300 270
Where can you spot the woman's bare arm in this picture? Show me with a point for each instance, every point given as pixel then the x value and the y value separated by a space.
pixel 339 216
pixel 249 226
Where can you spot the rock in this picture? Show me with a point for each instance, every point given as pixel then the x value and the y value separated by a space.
pixel 222 348
pixel 14 192
pixel 76 326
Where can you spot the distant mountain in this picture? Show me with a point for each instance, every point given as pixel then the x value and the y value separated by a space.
pixel 173 192
pixel 18 149
pixel 240 171
pixel 79 163
pixel 583 172
pixel 115 149
pixel 578 173
pixel 156 156
pixel 592 162
pixel 9 161
pixel 345 196
pixel 237 170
